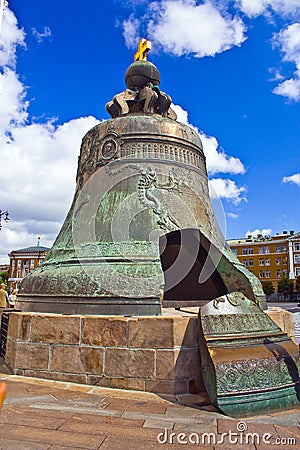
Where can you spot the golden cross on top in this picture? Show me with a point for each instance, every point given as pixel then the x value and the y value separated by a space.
pixel 143 49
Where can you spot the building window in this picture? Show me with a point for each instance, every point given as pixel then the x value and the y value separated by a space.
pixel 261 274
pixel 268 274
pixel 297 271
pixel 284 248
pixel 284 261
pixel 19 263
pixel 260 250
pixel 297 259
pixel 234 251
pixel 284 272
pixel 277 250
pixel 18 274
pixel 278 273
pixel 244 251
pixel 297 246
pixel 32 262
pixel 261 262
pixel 267 261
pixel 278 261
pixel 267 249
pixel 245 262
pixel 251 262
pixel 250 251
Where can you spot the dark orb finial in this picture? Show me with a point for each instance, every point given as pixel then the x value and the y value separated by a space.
pixel 142 95
pixel 140 73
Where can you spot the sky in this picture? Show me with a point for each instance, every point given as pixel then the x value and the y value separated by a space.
pixel 232 68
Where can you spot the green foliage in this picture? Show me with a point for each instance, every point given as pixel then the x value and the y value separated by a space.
pixel 268 288
pixel 298 284
pixel 285 286
pixel 3 277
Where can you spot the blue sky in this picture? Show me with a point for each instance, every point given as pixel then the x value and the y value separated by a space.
pixel 232 69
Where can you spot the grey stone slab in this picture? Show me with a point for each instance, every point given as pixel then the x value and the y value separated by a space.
pixel 292 419
pixel 191 413
pixel 30 399
pixel 146 416
pixel 159 424
pixel 76 409
pixel 209 427
pixel 159 418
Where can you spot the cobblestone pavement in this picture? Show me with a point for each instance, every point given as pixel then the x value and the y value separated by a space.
pixel 44 414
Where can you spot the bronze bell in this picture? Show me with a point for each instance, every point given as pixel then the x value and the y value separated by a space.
pixel 141 232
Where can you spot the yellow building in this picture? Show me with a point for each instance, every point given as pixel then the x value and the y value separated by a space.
pixel 267 257
pixel 24 261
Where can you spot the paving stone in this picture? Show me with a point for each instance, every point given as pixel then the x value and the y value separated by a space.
pixel 30 399
pixel 63 447
pixel 110 420
pixel 45 436
pixel 288 432
pixel 159 424
pixel 9 444
pixel 116 443
pixel 34 412
pixel 188 412
pixel 224 425
pixel 138 406
pixel 202 427
pixel 76 409
pixel 31 420
pixel 78 427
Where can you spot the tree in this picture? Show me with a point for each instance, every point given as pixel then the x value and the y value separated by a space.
pixel 4 277
pixel 268 288
pixel 285 286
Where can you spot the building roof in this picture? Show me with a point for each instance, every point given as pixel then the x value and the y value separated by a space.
pixel 33 249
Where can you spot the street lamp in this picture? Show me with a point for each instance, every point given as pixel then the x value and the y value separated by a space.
pixel 6 217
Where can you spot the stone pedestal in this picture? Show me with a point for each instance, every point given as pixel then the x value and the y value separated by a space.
pixel 153 354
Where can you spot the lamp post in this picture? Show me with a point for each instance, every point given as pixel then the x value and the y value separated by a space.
pixel 6 217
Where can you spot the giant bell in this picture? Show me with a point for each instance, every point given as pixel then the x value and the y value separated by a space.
pixel 141 232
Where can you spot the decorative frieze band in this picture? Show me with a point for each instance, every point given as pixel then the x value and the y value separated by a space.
pixel 96 151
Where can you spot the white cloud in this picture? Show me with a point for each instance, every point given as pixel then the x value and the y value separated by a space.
pixel 288 40
pixel 263 232
pixel 232 215
pixel 254 8
pixel 226 189
pixel 39 160
pixel 40 36
pixel 11 36
pixel 216 159
pixel 130 31
pixel 292 179
pixel 182 27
